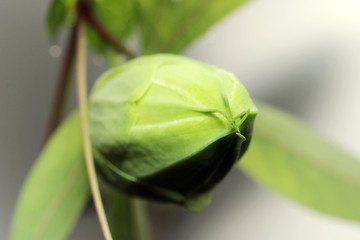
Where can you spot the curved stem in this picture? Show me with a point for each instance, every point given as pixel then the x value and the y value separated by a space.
pixel 81 95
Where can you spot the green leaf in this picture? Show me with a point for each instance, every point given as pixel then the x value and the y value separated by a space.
pixel 56 189
pixel 116 16
pixel 61 13
pixel 289 158
pixel 171 25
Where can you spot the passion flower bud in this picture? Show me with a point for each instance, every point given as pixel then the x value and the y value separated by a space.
pixel 168 128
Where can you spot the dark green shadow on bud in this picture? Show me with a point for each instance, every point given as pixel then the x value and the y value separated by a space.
pixel 199 173
pixel 189 181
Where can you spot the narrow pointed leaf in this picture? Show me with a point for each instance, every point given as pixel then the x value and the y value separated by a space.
pixel 171 25
pixel 56 189
pixel 289 158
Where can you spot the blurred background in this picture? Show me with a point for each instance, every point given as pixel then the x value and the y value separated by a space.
pixel 303 56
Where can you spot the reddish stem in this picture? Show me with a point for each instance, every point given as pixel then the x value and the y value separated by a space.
pixel 88 16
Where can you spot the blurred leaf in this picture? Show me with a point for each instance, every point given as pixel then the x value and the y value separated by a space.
pixel 61 13
pixel 56 189
pixel 116 16
pixel 289 158
pixel 171 25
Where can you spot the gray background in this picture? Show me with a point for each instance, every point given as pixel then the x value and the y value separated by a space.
pixel 301 55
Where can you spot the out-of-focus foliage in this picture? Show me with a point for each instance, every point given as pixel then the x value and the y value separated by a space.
pixel 289 158
pixel 61 13
pixel 162 25
pixel 171 25
pixel 56 189
pixel 117 17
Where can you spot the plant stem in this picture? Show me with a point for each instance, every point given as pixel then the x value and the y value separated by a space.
pixel 62 85
pixel 140 220
pixel 82 102
pixel 120 215
pixel 103 32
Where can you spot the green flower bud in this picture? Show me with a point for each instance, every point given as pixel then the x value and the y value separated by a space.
pixel 168 128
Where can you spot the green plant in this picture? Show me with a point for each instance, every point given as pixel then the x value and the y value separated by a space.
pixel 316 173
